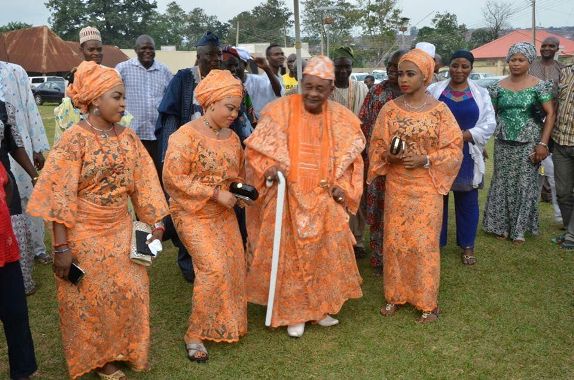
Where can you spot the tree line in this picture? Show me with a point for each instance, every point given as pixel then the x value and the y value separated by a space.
pixel 372 27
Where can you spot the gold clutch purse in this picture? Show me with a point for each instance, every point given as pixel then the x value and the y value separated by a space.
pixel 140 252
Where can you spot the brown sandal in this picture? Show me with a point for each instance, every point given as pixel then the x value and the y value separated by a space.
pixel 389 309
pixel 428 317
pixel 468 257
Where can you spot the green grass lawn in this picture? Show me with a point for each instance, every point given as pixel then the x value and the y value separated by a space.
pixel 509 316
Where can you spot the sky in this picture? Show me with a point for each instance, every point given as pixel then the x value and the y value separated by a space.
pixel 420 12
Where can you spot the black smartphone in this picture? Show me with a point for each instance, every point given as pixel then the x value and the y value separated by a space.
pixel 75 274
pixel 141 243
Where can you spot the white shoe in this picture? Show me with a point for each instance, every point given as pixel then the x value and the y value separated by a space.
pixel 296 331
pixel 328 321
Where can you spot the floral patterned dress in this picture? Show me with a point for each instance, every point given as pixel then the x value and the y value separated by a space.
pixel 374 195
pixel 194 165
pixel 85 185
pixel 512 205
pixel 414 199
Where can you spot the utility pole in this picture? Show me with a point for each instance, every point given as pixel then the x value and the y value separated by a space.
pixel 534 22
pixel 285 34
pixel 237 35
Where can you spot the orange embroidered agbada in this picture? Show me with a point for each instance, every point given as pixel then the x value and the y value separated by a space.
pixel 193 167
pixel 85 185
pixel 414 199
pixel 317 266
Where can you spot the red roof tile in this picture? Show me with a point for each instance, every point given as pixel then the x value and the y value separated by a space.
pixel 38 50
pixel 499 47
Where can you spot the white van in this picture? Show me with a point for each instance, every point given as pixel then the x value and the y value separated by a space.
pixel 36 81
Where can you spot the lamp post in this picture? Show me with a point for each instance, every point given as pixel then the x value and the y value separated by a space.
pixel 403 26
pixel 326 20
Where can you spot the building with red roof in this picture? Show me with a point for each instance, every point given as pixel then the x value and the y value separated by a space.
pixel 492 56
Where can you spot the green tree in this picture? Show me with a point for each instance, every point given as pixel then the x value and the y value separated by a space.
pixel 120 21
pixel 380 20
pixel 332 19
pixel 266 22
pixel 480 37
pixel 198 22
pixel 446 34
pixel 169 28
pixel 14 25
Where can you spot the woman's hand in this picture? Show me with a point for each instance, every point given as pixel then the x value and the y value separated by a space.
pixel 39 160
pixel 467 136
pixel 338 194
pixel 62 262
pixel 414 161
pixel 394 158
pixel 226 199
pixel 540 153
pixel 156 234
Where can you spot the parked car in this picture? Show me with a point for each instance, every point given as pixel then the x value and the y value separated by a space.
pixel 477 76
pixel 359 77
pixel 49 92
pixel 36 81
pixel 380 75
pixel 489 81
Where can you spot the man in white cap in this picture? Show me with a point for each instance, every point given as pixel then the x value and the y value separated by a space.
pixel 430 49
pixel 427 47
pixel 91 45
pixel 317 144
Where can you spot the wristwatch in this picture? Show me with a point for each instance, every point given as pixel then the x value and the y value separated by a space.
pixel 427 163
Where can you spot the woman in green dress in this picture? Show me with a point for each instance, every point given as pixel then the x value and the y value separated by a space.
pixel 525 117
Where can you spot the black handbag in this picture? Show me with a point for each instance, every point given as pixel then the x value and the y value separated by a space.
pixel 244 191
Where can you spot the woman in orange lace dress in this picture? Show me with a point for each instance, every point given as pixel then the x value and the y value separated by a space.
pixel 416 180
pixel 83 190
pixel 203 158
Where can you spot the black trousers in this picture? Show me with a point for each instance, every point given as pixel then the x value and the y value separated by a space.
pixel 14 316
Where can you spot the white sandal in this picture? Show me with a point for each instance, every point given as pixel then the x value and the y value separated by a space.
pixel 328 321
pixel 297 330
pixel 193 349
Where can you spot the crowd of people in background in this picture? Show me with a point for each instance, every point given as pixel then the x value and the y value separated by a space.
pixel 138 143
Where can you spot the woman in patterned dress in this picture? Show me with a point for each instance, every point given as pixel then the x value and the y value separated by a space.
pixel 83 190
pixel 203 157
pixel 374 193
pixel 416 180
pixel 522 133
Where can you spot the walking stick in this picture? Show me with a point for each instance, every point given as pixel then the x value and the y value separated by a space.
pixel 276 245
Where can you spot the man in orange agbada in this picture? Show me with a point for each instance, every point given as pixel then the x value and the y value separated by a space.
pixel 317 144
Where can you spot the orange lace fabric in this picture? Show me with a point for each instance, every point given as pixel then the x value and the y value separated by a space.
pixel 414 199
pixel 317 267
pixel 193 167
pixel 85 185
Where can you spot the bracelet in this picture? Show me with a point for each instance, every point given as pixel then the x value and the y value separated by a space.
pixel 215 193
pixel 35 179
pixel 161 228
pixel 59 245
pixel 544 145
pixel 61 250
